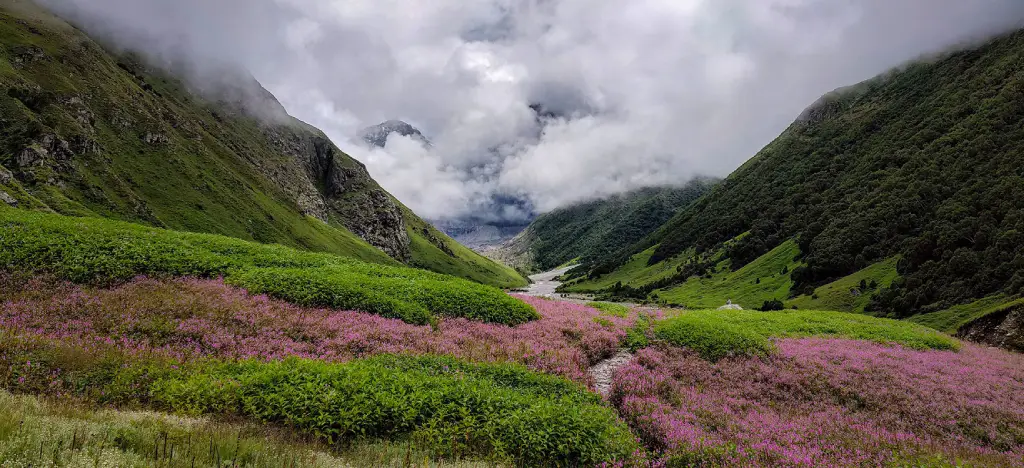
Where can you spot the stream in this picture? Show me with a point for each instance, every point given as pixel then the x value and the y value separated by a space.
pixel 544 285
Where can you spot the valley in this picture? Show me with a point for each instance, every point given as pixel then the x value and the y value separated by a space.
pixel 189 276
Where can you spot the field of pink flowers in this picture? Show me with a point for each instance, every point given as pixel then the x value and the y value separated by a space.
pixel 813 402
pixel 828 402
pixel 190 318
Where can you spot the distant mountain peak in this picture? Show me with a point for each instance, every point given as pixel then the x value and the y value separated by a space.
pixel 377 135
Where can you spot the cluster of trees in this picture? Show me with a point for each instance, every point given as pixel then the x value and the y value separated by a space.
pixel 644 292
pixel 926 162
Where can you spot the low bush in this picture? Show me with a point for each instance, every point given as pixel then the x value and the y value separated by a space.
pixel 609 308
pixel 98 251
pixel 342 289
pixel 715 334
pixel 712 339
pixel 449 407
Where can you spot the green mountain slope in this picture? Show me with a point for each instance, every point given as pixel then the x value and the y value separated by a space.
pixel 90 133
pixel 925 163
pixel 595 229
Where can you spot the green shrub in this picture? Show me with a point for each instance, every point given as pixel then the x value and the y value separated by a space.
pixel 89 250
pixel 617 310
pixel 716 333
pixel 637 335
pixel 450 408
pixel 455 408
pixel 713 340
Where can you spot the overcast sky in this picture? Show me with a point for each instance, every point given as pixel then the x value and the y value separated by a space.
pixel 635 92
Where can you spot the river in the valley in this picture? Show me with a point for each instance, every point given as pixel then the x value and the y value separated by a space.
pixel 544 284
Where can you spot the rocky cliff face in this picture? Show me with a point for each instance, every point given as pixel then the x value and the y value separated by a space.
pixel 1003 329
pixel 91 133
pixel 327 184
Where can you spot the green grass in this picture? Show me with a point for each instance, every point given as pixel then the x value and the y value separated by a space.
pixel 448 408
pixel 609 308
pixel 840 295
pixel 67 435
pixel 740 286
pixel 712 339
pixel 715 334
pixel 92 250
pixel 950 320
pixel 636 272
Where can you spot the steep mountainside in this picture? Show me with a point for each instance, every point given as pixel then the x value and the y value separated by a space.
pixel 90 133
pixel 595 229
pixel 922 167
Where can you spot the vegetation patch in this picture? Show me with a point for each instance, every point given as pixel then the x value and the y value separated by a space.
pixel 609 308
pixel 34 432
pixel 850 293
pixel 826 402
pixel 950 320
pixel 446 406
pixel 92 250
pixel 764 279
pixel 712 339
pixel 715 334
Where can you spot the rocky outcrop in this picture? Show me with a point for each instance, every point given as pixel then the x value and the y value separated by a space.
pixel 7 199
pixel 1002 329
pixel 328 184
pixel 377 135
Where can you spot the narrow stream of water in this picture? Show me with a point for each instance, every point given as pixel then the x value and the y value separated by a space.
pixel 544 285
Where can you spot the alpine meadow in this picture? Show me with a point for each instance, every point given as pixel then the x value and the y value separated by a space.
pixel 192 277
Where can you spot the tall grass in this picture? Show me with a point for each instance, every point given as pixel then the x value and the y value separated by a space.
pixel 98 251
pixel 35 432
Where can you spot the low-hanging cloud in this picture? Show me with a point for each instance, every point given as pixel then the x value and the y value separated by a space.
pixel 554 101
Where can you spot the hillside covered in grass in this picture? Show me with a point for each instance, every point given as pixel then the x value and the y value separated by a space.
pixel 91 133
pixel 593 230
pixel 911 181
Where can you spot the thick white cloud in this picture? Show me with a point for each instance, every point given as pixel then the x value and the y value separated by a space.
pixel 645 91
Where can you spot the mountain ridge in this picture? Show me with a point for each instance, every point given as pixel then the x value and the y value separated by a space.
pixel 590 230
pixel 89 133
pixel 920 166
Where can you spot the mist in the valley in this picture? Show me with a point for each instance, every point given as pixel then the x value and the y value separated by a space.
pixel 545 102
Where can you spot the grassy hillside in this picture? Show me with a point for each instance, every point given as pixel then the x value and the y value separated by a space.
pixel 593 230
pixel 922 163
pixel 851 293
pixel 762 280
pixel 90 133
pixel 952 319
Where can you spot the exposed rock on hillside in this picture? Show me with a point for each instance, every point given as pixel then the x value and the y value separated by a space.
pixel 1004 329
pixel 377 135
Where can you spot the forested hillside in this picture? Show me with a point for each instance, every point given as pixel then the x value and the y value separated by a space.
pixel 90 133
pixel 923 166
pixel 596 229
